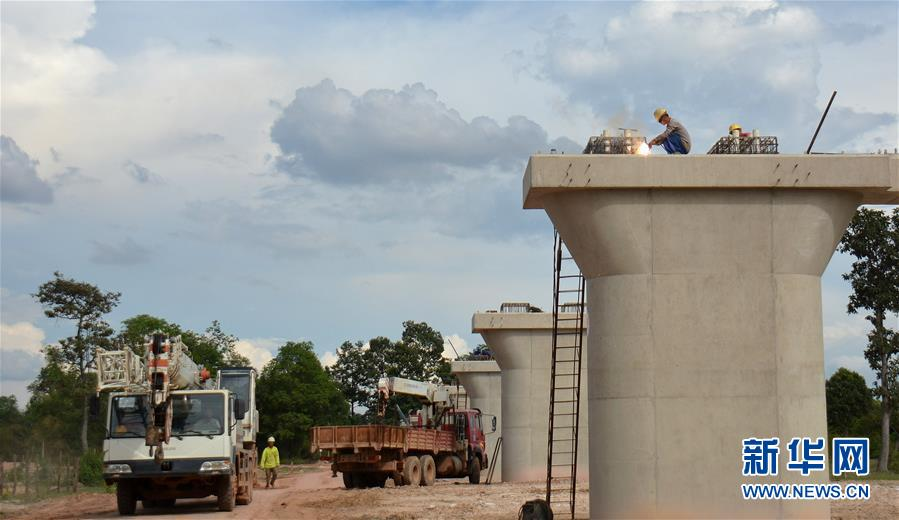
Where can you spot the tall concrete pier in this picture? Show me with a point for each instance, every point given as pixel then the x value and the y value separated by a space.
pixel 483 382
pixel 704 305
pixel 522 345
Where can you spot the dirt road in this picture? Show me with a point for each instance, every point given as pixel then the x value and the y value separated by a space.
pixel 313 494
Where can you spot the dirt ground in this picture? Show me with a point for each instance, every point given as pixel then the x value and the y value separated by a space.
pixel 313 494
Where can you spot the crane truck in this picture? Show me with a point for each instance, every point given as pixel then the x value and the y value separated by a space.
pixel 171 432
pixel 440 440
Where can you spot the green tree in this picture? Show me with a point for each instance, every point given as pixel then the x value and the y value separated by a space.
pixel 54 412
pixel 424 346
pixel 226 344
pixel 873 239
pixel 135 330
pixel 848 399
pixel 352 374
pixel 417 355
pixel 213 349
pixel 85 304
pixel 294 393
pixel 12 427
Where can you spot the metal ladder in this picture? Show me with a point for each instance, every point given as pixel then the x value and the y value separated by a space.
pixel 565 381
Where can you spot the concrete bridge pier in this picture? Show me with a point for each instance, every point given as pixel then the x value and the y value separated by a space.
pixel 483 383
pixel 522 343
pixel 704 304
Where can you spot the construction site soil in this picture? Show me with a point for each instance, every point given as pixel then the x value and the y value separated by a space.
pixel 309 492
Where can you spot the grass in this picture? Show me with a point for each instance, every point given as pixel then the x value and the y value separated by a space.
pixel 21 498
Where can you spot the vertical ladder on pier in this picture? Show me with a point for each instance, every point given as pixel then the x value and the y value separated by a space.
pixel 565 382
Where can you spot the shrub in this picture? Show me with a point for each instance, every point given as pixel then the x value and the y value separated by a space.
pixel 90 469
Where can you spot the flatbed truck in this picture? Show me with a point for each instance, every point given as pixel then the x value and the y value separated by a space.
pixel 444 442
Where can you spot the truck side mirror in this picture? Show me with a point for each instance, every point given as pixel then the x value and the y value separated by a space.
pixel 94 406
pixel 493 424
pixel 238 409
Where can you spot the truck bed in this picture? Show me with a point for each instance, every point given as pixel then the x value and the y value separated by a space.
pixel 378 437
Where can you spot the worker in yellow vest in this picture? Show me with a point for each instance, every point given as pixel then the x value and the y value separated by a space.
pixel 270 462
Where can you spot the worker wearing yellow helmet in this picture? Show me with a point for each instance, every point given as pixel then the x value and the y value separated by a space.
pixel 270 462
pixel 675 139
pixel 739 130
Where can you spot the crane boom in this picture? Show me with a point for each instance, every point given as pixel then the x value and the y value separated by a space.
pixel 436 398
pixel 167 367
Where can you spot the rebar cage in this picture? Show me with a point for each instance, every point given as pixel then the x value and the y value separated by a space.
pixel 744 145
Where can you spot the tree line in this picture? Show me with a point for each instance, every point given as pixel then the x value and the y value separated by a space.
pixel 295 392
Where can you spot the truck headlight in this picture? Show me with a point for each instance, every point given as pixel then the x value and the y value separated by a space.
pixel 217 466
pixel 116 468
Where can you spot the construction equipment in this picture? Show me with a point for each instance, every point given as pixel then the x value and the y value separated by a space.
pixel 441 440
pixel 738 143
pixel 201 436
pixel 435 398
pixel 628 143
pixel 565 382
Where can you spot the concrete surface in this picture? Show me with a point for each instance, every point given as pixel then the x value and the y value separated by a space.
pixel 704 306
pixel 522 346
pixel 483 382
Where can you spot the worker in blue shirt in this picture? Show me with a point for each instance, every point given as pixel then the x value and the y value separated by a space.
pixel 675 138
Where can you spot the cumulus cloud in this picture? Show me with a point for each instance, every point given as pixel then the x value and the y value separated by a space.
pixel 19 181
pixel 712 63
pixel 460 176
pixel 454 344
pixel 328 359
pixel 22 336
pixel 20 354
pixel 125 253
pixel 259 350
pixel 141 174
pixel 42 64
pixel 386 135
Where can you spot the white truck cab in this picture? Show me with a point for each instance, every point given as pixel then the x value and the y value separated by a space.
pixel 200 458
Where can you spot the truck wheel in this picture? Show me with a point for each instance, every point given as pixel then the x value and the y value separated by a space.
pixel 378 480
pixel 412 471
pixel 244 499
pixel 348 480
pixel 474 471
pixel 428 470
pixel 126 498
pixel 397 479
pixel 225 494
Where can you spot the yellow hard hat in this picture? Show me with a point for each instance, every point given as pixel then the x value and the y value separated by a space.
pixel 735 126
pixel 659 113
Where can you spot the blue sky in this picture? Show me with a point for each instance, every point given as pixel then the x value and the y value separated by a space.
pixel 327 171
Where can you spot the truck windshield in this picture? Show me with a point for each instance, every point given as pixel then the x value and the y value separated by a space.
pixel 197 414
pixel 128 417
pixel 239 385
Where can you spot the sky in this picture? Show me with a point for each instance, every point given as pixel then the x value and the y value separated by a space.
pixel 324 172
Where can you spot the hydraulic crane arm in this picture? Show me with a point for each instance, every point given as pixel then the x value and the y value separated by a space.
pixel 167 367
pixel 434 395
